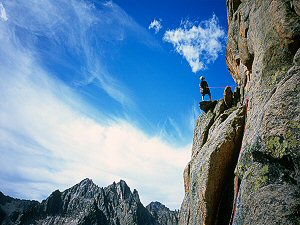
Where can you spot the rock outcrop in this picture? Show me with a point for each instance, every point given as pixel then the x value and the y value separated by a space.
pixel 85 204
pixel 207 105
pixel 250 174
pixel 209 175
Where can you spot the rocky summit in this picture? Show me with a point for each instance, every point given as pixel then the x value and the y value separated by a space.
pixel 87 204
pixel 245 166
pixel 163 214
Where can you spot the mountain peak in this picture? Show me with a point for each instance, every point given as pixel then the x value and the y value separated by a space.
pixel 162 214
pixel 86 181
pixel 122 182
pixel 86 203
pixel 157 206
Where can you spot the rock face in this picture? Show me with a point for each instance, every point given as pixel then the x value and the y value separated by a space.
pixel 263 56
pixel 163 214
pixel 209 175
pixel 250 174
pixel 84 204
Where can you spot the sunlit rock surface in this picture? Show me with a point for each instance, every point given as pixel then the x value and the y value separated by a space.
pixel 260 170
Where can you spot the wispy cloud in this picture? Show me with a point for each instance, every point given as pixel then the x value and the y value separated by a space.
pixel 79 36
pixel 156 25
pixel 53 145
pixel 46 132
pixel 3 14
pixel 200 44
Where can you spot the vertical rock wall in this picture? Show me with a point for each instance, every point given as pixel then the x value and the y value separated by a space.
pixel 250 173
pixel 208 177
pixel 263 56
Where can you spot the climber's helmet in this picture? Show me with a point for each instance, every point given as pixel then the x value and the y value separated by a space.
pixel 202 78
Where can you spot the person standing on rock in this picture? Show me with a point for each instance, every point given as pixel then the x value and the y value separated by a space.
pixel 204 89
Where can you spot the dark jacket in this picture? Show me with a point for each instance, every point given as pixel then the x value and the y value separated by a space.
pixel 205 88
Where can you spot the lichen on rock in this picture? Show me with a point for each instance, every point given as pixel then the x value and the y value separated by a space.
pixel 263 57
pixel 272 86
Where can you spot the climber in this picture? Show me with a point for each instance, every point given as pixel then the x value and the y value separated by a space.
pixel 204 89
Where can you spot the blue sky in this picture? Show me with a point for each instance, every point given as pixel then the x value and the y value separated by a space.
pixel 106 90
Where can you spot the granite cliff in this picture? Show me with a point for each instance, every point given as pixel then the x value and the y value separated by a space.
pixel 87 204
pixel 245 166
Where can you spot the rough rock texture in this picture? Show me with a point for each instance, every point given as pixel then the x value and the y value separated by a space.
pixel 162 214
pixel 217 140
pixel 84 204
pixel 251 174
pixel 263 57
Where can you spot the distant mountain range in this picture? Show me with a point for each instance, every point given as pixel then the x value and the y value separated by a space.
pixel 87 204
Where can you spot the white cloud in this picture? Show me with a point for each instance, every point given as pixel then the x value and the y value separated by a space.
pixel 47 138
pixel 89 32
pixel 52 145
pixel 3 14
pixel 156 25
pixel 198 44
